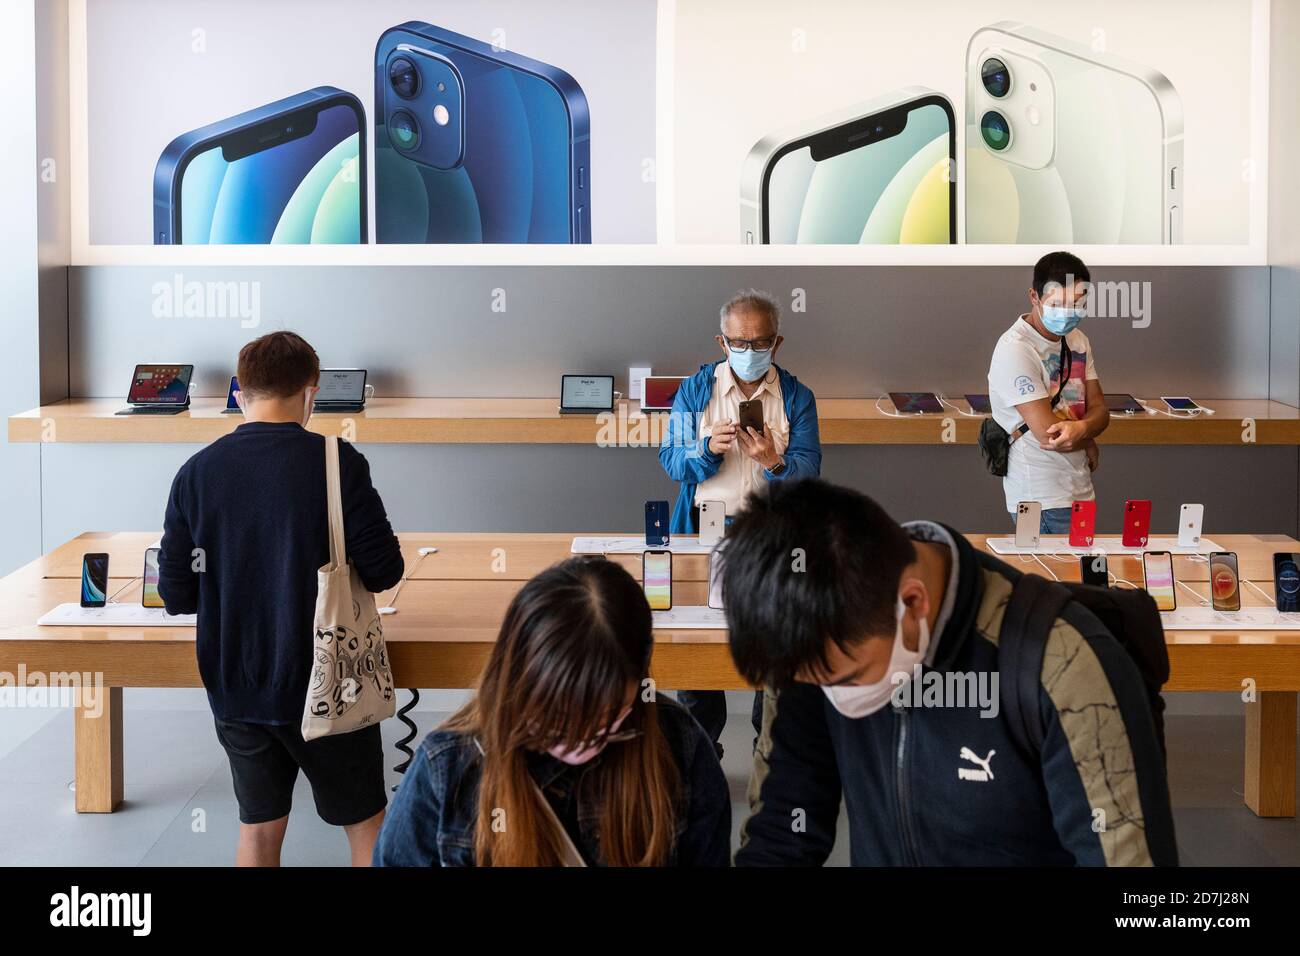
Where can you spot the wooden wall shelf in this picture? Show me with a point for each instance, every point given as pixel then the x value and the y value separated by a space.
pixel 535 421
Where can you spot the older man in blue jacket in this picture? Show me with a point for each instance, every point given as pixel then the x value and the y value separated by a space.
pixel 713 459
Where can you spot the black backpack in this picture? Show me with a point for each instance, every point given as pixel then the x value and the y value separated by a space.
pixel 1130 616
pixel 994 442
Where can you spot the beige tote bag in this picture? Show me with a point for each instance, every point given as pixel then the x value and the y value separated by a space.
pixel 351 684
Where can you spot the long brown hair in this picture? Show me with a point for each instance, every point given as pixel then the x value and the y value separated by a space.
pixel 574 640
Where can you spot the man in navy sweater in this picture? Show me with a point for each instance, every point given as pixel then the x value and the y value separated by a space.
pixel 245 531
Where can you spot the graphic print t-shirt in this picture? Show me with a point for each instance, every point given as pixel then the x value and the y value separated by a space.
pixel 1026 367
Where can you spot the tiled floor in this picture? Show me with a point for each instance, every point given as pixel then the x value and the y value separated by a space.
pixel 180 809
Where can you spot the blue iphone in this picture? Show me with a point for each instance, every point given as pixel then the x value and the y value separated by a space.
pixel 476 144
pixel 656 523
pixel 293 171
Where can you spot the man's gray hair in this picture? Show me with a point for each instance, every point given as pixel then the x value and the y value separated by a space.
pixel 751 300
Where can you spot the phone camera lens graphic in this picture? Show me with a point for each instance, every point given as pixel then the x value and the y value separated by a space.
pixel 404 77
pixel 440 115
pixel 405 134
pixel 995 130
pixel 996 77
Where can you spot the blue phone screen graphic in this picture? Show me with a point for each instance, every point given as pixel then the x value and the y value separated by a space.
pixel 1288 586
pixel 92 582
pixel 894 190
pixel 306 190
pixel 502 170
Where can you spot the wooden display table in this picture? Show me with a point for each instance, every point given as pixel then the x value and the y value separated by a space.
pixel 843 421
pixel 450 608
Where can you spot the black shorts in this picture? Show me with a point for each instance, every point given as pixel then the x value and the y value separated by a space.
pixel 346 771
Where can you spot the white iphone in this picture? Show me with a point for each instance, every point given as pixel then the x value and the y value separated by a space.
pixel 713 521
pixel 1190 518
pixel 1066 144
pixel 1029 516
pixel 715 579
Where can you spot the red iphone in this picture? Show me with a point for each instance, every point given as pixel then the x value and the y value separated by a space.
pixel 1137 523
pixel 1083 522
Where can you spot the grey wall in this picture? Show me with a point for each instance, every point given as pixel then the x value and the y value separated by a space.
pixel 20 531
pixel 433 331
pixel 576 488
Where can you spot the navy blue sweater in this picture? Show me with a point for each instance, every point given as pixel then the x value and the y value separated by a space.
pixel 254 503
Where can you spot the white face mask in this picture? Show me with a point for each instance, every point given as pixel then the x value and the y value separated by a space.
pixel 307 404
pixel 861 700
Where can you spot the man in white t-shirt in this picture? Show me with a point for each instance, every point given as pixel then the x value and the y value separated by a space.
pixel 1051 461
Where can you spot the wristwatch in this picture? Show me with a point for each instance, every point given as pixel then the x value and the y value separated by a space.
pixel 778 468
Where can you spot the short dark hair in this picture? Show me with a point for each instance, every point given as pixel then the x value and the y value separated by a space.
pixel 1057 267
pixel 278 364
pixel 806 562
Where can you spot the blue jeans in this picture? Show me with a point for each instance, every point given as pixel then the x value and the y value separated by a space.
pixel 1052 521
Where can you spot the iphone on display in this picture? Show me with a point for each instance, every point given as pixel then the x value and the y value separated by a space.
pixel 1158 575
pixel 1225 587
pixel 1190 518
pixel 1083 521
pixel 657 579
pixel 149 596
pixel 877 173
pixel 1286 581
pixel 1137 523
pixel 1029 516
pixel 715 579
pixel 1094 570
pixel 656 523
pixel 713 519
pixel 1068 145
pixel 94 580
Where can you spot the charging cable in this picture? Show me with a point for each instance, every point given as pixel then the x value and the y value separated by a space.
pixel 1042 564
pixel 959 410
pixel 1193 592
pixel 1260 591
pixel 1183 413
pixel 390 607
pixel 403 744
pixel 112 599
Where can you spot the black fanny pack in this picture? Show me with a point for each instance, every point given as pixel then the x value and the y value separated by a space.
pixel 995 443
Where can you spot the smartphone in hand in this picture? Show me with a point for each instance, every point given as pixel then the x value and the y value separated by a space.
pixel 751 415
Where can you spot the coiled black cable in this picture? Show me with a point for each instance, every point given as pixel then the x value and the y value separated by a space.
pixel 403 743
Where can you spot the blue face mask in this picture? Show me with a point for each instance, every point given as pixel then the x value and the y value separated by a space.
pixel 1059 320
pixel 749 365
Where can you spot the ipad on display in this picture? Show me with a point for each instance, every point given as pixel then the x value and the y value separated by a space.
pixel 341 385
pixel 916 403
pixel 658 392
pixel 586 394
pixel 1121 403
pixel 160 385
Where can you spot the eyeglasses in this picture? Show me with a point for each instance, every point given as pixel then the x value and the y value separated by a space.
pixel 745 345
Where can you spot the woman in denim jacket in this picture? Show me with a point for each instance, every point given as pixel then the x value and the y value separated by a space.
pixel 565 755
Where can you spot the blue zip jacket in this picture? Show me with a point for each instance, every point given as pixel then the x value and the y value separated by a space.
pixel 687 458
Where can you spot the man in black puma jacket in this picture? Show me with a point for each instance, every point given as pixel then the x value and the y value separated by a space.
pixel 827 598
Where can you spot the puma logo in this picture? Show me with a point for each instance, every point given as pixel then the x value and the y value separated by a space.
pixel 966 773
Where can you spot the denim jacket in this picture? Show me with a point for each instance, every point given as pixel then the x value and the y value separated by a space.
pixel 432 818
